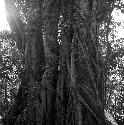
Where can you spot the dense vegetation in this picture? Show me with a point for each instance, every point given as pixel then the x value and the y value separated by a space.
pixel 58 65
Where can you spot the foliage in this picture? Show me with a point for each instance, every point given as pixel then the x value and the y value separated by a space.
pixel 10 66
pixel 114 59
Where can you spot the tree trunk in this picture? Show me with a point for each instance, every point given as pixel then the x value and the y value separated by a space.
pixel 51 49
pixel 68 91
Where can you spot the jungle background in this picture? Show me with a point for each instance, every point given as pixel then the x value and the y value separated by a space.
pixel 62 63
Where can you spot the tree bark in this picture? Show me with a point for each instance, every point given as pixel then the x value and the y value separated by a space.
pixel 69 88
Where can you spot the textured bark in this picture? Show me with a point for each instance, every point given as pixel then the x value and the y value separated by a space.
pixel 34 63
pixel 68 91
pixel 51 48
